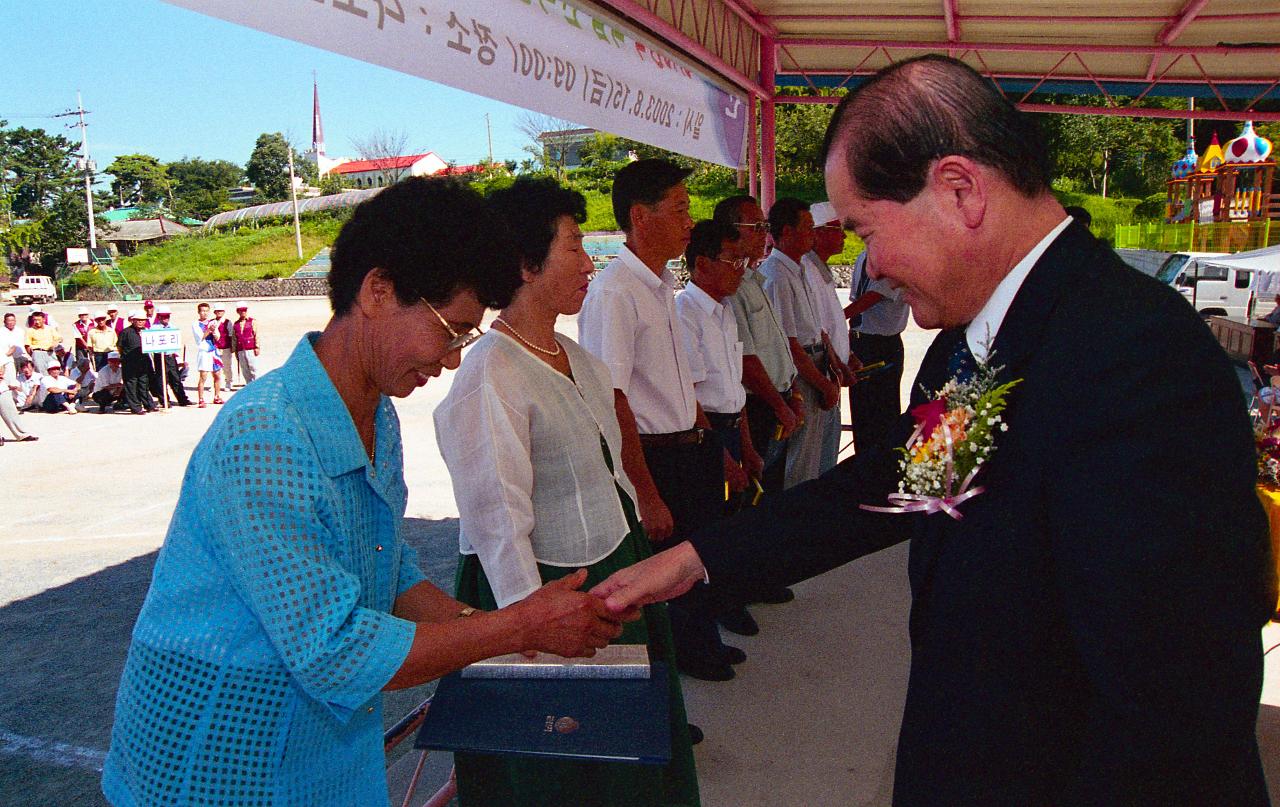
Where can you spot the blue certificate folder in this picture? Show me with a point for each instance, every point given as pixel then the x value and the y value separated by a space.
pixel 603 720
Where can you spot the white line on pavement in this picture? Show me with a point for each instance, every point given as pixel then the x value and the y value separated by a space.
pixel 51 751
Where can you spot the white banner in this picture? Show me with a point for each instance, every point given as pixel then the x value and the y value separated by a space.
pixel 546 55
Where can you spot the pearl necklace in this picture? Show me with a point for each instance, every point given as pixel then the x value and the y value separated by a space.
pixel 526 342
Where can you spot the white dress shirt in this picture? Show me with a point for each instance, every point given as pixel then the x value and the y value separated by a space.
pixel 982 331
pixel 888 317
pixel 629 322
pixel 823 283
pixel 715 352
pixel 792 299
pixel 522 444
pixel 759 331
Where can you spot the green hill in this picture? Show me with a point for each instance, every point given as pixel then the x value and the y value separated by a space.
pixel 245 254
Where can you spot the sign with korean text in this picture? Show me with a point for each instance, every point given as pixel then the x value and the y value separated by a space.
pixel 161 340
pixel 551 56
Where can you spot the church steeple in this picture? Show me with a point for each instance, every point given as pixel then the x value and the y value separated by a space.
pixel 317 125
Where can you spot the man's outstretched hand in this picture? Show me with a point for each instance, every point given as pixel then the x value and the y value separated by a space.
pixel 659 578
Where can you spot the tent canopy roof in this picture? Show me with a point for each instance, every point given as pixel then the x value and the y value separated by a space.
pixel 1214 49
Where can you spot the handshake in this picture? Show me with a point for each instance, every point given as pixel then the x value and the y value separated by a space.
pixel 561 619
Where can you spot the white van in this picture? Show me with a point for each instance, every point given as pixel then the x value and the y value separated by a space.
pixel 1212 289
pixel 34 289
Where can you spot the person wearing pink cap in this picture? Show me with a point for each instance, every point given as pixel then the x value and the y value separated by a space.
pixel 244 338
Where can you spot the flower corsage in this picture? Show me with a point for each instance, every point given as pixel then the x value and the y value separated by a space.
pixel 954 436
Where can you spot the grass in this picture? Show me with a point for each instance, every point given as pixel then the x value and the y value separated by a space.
pixel 247 254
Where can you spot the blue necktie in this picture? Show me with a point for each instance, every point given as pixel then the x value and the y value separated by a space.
pixel 860 288
pixel 962 363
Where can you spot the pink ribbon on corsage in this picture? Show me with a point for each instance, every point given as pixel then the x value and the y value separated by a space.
pixel 931 415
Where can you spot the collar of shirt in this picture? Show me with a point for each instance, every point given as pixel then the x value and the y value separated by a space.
pixel 324 416
pixel 786 261
pixel 982 331
pixel 703 300
pixel 641 270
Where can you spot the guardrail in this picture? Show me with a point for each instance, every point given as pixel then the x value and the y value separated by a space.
pixel 1218 236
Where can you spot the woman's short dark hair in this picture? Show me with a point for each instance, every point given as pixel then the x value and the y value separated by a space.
pixel 707 240
pixel 785 213
pixel 920 110
pixel 643 182
pixel 432 237
pixel 531 208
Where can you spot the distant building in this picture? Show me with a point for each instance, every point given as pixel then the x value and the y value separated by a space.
pixel 126 236
pixel 564 146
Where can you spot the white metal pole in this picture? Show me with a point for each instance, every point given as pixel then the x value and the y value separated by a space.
pixel 88 172
pixel 293 193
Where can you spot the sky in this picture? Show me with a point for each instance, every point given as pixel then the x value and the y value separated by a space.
pixel 168 82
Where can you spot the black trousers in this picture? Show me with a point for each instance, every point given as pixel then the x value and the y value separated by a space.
pixel 105 399
pixel 137 391
pixel 876 403
pixel 690 480
pixel 763 425
pixel 727 431
pixel 169 374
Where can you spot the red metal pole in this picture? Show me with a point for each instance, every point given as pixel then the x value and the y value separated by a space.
pixel 1032 47
pixel 768 143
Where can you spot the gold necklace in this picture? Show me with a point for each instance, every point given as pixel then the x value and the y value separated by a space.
pixel 527 343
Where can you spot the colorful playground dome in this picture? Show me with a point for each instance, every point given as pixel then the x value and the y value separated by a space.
pixel 1249 147
pixel 1213 156
pixel 1186 166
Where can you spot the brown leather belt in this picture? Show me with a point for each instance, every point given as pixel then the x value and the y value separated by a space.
pixel 690 437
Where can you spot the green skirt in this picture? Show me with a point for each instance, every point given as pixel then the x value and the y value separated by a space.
pixel 507 781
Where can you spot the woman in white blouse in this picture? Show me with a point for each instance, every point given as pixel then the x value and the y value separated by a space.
pixel 533 446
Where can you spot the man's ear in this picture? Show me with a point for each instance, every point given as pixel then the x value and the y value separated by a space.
pixel 376 292
pixel 962 187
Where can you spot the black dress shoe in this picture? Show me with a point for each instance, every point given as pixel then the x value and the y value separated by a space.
pixel 695 735
pixel 740 622
pixel 732 655
pixel 778 596
pixel 703 668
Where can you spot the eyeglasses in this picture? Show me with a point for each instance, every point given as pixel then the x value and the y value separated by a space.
pixel 459 340
pixel 740 264
pixel 759 226
pixel 833 225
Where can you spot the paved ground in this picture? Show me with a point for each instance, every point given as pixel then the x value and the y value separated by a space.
pixel 811 719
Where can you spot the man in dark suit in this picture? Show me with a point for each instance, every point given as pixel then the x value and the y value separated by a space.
pixel 1088 632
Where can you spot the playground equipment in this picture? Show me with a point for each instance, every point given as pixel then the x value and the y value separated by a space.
pixel 1223 200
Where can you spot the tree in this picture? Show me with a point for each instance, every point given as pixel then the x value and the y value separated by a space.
pixel 383 148
pixel 139 179
pixel 268 167
pixel 35 168
pixel 1113 155
pixel 201 186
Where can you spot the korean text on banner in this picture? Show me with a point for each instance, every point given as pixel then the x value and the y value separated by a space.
pixel 161 340
pixel 547 55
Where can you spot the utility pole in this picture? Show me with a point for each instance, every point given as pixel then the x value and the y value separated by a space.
pixel 293 194
pixel 84 164
pixel 489 130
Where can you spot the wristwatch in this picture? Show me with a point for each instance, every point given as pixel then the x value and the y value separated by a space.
pixel 466 612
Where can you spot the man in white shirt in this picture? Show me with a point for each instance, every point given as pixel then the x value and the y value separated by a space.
pixel 629 322
pixel 13 339
pixel 85 377
pixel 877 317
pixel 828 240
pixel 57 392
pixel 715 355
pixel 27 395
pixel 108 388
pixel 9 387
pixel 791 226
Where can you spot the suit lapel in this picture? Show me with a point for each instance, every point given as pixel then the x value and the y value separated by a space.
pixel 1014 345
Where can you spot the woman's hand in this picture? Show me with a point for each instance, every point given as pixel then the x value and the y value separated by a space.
pixel 559 619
